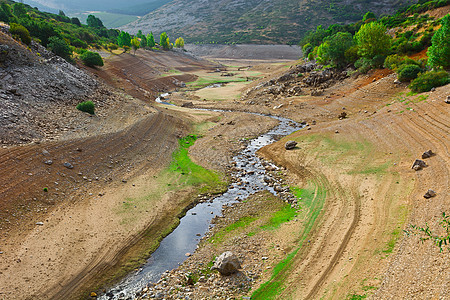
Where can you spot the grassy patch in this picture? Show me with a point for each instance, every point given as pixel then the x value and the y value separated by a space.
pixel 202 82
pixel 286 214
pixel 224 232
pixel 189 172
pixel 312 198
pixel 356 297
pixel 171 73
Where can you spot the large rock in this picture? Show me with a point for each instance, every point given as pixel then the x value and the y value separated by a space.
pixel 429 194
pixel 290 145
pixel 227 263
pixel 427 154
pixel 418 164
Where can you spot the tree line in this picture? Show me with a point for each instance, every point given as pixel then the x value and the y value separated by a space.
pixel 387 42
pixel 70 39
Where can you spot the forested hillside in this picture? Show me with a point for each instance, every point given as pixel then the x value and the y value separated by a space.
pixel 255 21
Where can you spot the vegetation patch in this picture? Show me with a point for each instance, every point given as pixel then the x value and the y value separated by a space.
pixel 241 223
pixel 191 173
pixel 87 106
pixel 312 199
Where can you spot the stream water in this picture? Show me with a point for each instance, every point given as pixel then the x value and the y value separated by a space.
pixel 184 239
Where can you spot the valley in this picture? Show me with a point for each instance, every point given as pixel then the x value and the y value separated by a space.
pixel 303 171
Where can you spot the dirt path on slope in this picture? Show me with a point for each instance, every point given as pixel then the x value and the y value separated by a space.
pixel 370 191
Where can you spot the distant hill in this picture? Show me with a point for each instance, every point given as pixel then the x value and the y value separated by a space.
pixel 254 21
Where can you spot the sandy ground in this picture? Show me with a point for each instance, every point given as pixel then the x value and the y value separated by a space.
pixel 357 245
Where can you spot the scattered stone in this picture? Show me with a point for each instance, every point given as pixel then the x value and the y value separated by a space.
pixel 336 131
pixel 188 254
pixel 68 165
pixel 447 100
pixel 187 104
pixel 290 145
pixel 40 223
pixel 94 294
pixel 429 194
pixel 427 154
pixel 124 181
pixel 264 258
pixel 226 263
pixel 48 162
pixel 316 92
pixel 418 164
pixel 433 89
pixel 343 115
pixel 396 81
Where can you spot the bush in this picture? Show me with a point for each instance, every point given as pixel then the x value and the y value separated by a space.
pixel 395 61
pixel 21 32
pixel 426 81
pixel 378 61
pixel 408 72
pixel 79 43
pixel 363 65
pixel 87 106
pixel 59 47
pixel 91 59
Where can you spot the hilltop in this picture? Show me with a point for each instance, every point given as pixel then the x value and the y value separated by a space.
pixel 254 21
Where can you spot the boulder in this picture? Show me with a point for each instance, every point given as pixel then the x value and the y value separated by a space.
pixel 342 115
pixel 429 194
pixel 68 165
pixel 290 145
pixel 418 164
pixel 227 263
pixel 427 154
pixel 396 81
pixel 187 104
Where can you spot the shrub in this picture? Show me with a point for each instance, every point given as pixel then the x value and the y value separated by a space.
pixel 59 47
pixel 91 59
pixel 426 81
pixel 87 106
pixel 112 46
pixel 79 43
pixel 363 65
pixel 378 61
pixel 395 61
pixel 21 32
pixel 408 72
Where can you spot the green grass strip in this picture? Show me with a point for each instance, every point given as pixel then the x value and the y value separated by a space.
pixel 313 199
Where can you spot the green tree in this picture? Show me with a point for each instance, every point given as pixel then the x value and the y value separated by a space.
pixel 135 44
pixel 93 21
pixel 179 42
pixel 18 30
pixel 337 45
pixel 322 53
pixel 124 39
pixel 61 13
pixel 75 21
pixel 372 40
pixel 369 17
pixel 19 10
pixel 5 12
pixel 59 47
pixel 151 40
pixel 164 41
pixel 143 41
pixel 91 59
pixel 139 34
pixel 439 52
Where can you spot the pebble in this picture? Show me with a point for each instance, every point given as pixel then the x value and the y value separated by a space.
pixel 40 223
